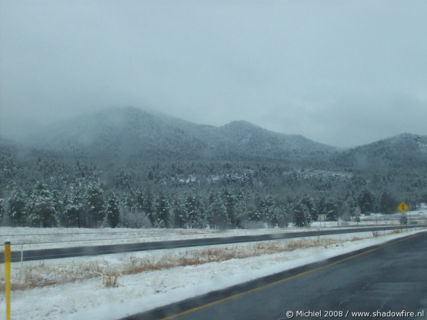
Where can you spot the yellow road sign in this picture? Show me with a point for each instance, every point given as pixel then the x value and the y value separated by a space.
pixel 402 207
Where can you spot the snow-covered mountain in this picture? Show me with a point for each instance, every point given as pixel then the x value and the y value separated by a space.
pixel 252 141
pixel 133 133
pixel 117 132
pixel 404 150
pixel 127 132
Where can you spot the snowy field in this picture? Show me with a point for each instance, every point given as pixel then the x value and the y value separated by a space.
pixel 116 285
pixel 23 238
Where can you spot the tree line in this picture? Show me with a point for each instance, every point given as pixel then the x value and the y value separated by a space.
pixel 46 191
pixel 89 205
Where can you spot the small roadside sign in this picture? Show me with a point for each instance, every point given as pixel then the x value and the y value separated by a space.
pixel 402 207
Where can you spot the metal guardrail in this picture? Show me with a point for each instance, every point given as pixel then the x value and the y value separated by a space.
pixel 71 252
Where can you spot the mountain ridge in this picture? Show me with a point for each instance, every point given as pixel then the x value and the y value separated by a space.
pixel 129 132
pixel 405 149
pixel 132 132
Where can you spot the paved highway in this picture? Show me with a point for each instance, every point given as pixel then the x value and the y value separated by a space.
pixel 58 253
pixel 389 281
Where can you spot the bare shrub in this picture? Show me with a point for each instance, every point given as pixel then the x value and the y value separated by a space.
pixel 109 279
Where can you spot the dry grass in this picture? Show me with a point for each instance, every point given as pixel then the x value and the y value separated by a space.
pixel 109 279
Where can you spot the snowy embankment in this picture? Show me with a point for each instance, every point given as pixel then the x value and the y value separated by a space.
pixel 85 288
pixel 24 238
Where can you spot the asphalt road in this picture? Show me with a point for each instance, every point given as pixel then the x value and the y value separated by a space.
pixel 383 279
pixel 59 253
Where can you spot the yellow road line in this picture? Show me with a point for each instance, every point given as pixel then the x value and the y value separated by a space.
pixel 283 280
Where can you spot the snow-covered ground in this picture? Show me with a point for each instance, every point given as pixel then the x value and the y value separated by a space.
pixel 76 288
pixel 23 238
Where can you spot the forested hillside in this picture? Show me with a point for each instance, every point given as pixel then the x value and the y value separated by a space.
pixel 106 173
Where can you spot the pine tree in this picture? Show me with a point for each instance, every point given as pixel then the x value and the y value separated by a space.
pixel 357 214
pixel 112 211
pixel 148 206
pixel 331 210
pixel 345 211
pixel 254 213
pixel 179 216
pixel 240 209
pixel 321 206
pixel 162 212
pixel 217 214
pixel 42 207
pixel 193 212
pixel 58 203
pixel 94 205
pixel 309 203
pixel 139 201
pixel 366 201
pixel 301 215
pixel 209 214
pixel 130 203
pixel 268 206
pixel 17 206
pixel 283 215
pixel 73 212
pixel 229 203
pixel 275 216
pixel 2 210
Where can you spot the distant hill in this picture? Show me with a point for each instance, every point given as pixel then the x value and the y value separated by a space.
pixel 123 133
pixel 131 132
pixel 404 150
pixel 249 140
pixel 119 132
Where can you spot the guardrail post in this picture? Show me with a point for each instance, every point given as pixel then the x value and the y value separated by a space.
pixel 7 277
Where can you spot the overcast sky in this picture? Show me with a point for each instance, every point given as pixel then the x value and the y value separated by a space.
pixel 338 72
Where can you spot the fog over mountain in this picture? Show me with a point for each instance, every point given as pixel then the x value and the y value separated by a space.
pixel 131 132
pixel 128 132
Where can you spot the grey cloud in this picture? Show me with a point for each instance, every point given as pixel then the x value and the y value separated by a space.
pixel 342 73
